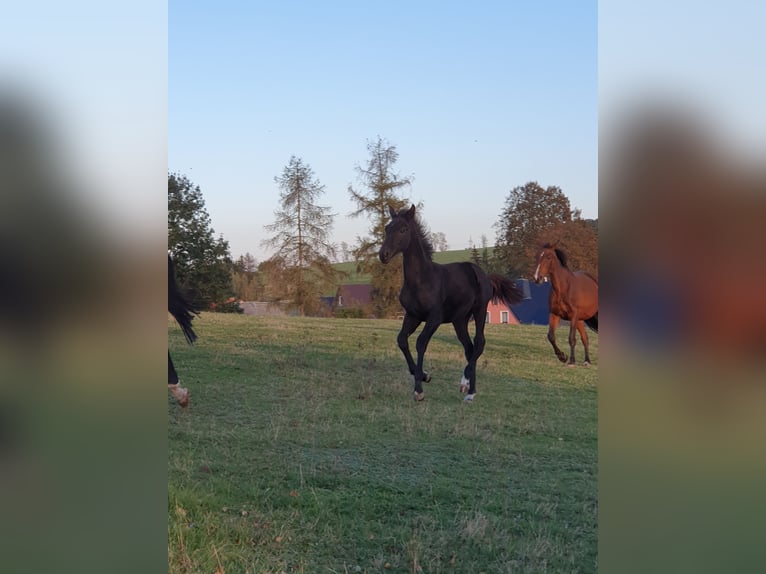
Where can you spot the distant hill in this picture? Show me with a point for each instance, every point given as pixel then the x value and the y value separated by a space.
pixel 451 256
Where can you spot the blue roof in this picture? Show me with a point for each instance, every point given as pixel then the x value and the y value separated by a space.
pixel 533 310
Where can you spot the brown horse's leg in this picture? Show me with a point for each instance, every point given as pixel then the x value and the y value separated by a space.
pixel 572 339
pixel 584 339
pixel 553 323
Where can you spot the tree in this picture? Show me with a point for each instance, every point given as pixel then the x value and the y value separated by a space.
pixel 485 259
pixel 579 240
pixel 202 261
pixel 382 184
pixel 302 239
pixel 246 263
pixel 530 210
pixel 439 241
pixel 246 281
pixel 345 252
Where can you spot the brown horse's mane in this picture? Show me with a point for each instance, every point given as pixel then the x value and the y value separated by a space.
pixel 423 234
pixel 560 255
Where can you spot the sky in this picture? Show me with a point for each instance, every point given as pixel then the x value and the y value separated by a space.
pixel 478 98
pixel 704 58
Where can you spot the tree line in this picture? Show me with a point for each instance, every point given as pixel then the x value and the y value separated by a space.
pixel 300 269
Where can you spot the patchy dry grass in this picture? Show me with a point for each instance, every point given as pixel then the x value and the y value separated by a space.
pixel 303 451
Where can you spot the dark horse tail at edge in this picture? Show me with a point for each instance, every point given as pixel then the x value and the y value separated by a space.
pixel 593 322
pixel 183 311
pixel 180 307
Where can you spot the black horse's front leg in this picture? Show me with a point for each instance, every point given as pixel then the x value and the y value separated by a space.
pixel 409 325
pixel 421 346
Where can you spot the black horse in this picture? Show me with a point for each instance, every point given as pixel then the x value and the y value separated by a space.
pixel 183 311
pixel 437 294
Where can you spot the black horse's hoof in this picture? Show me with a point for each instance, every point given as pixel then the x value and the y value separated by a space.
pixel 426 377
pixel 418 396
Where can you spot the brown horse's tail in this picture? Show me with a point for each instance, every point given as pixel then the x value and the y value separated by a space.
pixel 182 310
pixel 593 322
pixel 505 289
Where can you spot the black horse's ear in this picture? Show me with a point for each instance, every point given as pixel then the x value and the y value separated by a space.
pixel 411 212
pixel 391 211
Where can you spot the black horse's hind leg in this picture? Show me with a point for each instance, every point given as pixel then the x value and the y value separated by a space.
pixel 553 322
pixel 461 330
pixel 181 394
pixel 421 346
pixel 480 316
pixel 584 339
pixel 408 328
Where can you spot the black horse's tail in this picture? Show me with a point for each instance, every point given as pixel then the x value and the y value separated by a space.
pixel 505 289
pixel 182 310
pixel 593 322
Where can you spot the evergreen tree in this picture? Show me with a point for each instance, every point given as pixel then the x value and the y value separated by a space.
pixel 202 261
pixel 381 185
pixel 302 228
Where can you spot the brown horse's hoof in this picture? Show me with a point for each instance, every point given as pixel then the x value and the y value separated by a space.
pixel 563 358
pixel 418 396
pixel 570 365
pixel 586 364
pixel 426 377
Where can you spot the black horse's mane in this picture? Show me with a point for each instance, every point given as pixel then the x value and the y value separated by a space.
pixel 560 255
pixel 423 234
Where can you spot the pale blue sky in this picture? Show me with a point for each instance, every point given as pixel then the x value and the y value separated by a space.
pixel 478 97
pixel 706 57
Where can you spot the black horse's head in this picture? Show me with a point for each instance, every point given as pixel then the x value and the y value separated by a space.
pixel 398 233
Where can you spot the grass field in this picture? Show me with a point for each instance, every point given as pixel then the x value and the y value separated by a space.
pixel 303 451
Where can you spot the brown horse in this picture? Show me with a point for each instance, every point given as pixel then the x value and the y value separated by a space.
pixel 574 298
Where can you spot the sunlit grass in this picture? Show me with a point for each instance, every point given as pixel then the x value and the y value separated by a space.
pixel 303 451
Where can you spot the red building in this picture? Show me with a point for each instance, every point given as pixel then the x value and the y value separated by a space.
pixel 499 312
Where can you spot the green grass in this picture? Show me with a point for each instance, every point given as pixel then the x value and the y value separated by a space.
pixel 303 451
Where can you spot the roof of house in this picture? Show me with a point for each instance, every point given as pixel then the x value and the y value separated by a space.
pixel 360 293
pixel 533 310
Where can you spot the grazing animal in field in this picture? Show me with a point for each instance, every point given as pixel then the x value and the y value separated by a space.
pixel 574 298
pixel 183 311
pixel 435 294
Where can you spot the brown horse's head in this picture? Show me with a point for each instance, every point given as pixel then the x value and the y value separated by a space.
pixel 398 233
pixel 548 258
